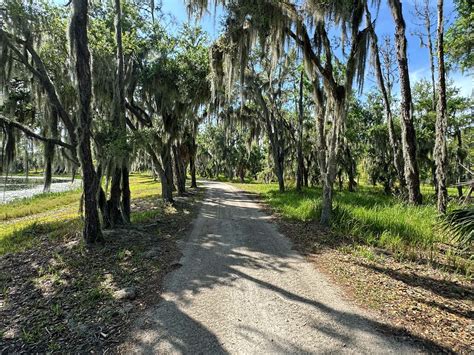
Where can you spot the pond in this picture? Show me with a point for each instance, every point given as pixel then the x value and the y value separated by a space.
pixel 16 187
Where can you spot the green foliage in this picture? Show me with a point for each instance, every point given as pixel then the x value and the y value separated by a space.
pixel 227 151
pixel 175 71
pixel 460 122
pixel 459 226
pixel 460 36
pixel 168 77
pixel 379 161
pixel 146 216
pixel 425 121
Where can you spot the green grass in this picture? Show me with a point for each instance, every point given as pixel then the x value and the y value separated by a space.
pixel 37 204
pixel 56 215
pixel 145 216
pixel 16 237
pixel 367 215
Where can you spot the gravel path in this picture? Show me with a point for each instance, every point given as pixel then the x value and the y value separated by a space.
pixel 243 290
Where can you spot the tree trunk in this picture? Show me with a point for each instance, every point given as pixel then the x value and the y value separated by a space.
pixel 441 151
pixel 274 132
pixel 280 176
pixel 277 153
pixel 179 170
pixel 113 204
pixel 427 16
pixel 326 210
pixel 351 171
pixel 165 176
pixel 394 141
pixel 192 167
pixel 321 145
pixel 340 179
pixel 126 195
pixel 26 159
pixel 434 175
pixel 276 145
pixel 118 201
pixel 327 152
pixel 171 174
pixel 192 158
pixel 80 50
pixel 49 148
pixel 300 158
pixel 102 200
pixel 166 173
pixel 396 154
pixel 242 174
pixel 166 186
pixel 408 130
pixel 459 161
pixel 48 165
pixel 280 155
pixel 306 172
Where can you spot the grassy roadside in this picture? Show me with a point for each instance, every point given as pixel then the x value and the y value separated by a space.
pixel 56 295
pixel 387 257
pixel 366 217
pixel 37 204
pixel 55 214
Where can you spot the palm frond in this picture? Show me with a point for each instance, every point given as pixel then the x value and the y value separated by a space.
pixel 459 226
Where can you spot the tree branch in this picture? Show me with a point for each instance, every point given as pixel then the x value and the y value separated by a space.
pixel 139 113
pixel 30 133
pixel 70 158
pixel 41 74
pixel 305 44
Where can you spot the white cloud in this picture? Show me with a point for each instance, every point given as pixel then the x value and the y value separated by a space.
pixel 463 81
pixel 421 73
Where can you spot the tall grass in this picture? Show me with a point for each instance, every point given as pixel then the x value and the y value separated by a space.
pixel 367 215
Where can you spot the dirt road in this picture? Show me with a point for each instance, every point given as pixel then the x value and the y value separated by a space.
pixel 243 290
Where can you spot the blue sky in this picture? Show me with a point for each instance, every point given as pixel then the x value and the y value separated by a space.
pixel 418 56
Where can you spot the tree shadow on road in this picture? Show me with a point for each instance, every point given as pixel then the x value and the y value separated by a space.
pixel 230 240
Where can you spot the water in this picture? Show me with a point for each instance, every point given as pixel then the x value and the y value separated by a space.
pixel 17 187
